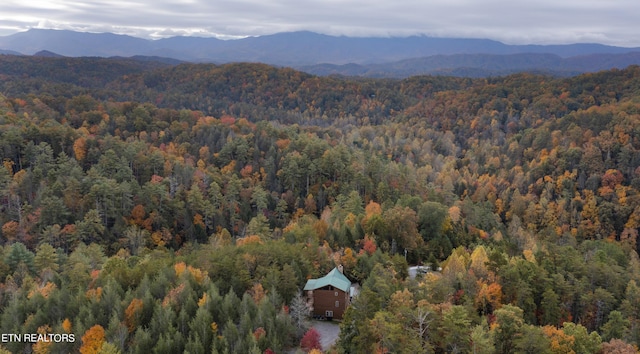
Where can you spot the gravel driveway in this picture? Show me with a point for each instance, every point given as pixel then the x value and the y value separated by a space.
pixel 329 332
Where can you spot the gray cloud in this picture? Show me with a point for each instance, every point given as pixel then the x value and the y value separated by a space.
pixel 541 21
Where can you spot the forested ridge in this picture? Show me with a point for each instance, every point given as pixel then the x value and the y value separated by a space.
pixel 158 209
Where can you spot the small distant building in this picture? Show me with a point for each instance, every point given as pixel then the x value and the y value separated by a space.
pixel 329 296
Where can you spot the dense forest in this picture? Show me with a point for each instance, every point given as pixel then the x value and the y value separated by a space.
pixel 151 208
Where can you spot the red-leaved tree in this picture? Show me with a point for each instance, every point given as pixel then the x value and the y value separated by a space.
pixel 310 340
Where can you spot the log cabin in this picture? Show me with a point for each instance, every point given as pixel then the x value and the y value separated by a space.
pixel 329 296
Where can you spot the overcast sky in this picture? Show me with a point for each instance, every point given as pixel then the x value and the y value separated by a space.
pixel 614 22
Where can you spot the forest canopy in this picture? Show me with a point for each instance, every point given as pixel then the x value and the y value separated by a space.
pixel 155 208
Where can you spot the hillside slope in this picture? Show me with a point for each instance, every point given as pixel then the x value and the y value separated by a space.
pixel 183 207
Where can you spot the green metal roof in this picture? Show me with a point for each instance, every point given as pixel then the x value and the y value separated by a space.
pixel 334 278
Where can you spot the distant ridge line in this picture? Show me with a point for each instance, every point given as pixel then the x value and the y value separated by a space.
pixel 329 55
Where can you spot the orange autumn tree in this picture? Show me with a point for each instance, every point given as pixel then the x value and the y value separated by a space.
pixel 348 259
pixel 489 297
pixel 80 148
pixel 66 325
pixel 92 340
pixel 10 230
pixel 561 343
pixel 132 313
pixel 257 293
pixel 138 218
pixel 42 347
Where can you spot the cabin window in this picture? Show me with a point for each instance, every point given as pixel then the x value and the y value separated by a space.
pixel 328 314
pixel 336 293
pixel 337 303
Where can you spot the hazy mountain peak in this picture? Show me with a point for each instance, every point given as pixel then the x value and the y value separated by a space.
pixel 47 54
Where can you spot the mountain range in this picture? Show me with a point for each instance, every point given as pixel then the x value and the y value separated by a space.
pixel 326 55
